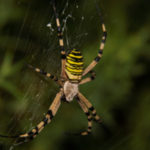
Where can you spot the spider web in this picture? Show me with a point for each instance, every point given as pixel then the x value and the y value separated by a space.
pixel 37 43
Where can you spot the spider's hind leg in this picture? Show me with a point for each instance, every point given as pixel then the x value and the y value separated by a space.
pixel 90 107
pixel 47 119
pixel 85 109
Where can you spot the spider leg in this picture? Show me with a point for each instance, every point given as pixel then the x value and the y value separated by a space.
pixel 61 41
pixel 86 111
pixel 54 78
pixel 47 119
pixel 98 57
pixel 90 107
pixel 88 79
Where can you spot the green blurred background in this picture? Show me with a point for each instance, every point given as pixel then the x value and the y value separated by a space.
pixel 120 93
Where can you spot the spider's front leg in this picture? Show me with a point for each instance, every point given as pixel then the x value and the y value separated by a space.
pixel 47 119
pixel 48 75
pixel 88 79
pixel 98 57
pixel 61 41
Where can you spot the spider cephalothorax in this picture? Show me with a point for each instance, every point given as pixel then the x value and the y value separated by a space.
pixel 70 90
pixel 71 76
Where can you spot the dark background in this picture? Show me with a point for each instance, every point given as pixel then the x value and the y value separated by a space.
pixel 120 93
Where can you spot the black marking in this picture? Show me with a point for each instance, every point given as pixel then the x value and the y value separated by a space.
pixel 44 73
pixel 56 79
pixel 63 98
pixel 52 76
pixel 105 34
pixel 50 113
pixel 63 56
pixel 77 68
pixel 73 67
pixel 62 48
pixel 75 59
pixel 60 39
pixel 59 29
pixel 91 108
pixel 100 51
pixel 87 113
pixel 37 130
pixel 94 114
pixel 45 120
pixel 60 36
pixel 91 71
pixel 76 54
pixel 98 120
pixel 30 133
pixel 89 132
pixel 90 127
pixel 77 98
pixel 103 40
pixel 89 119
pixel 40 71
pixel 97 59
pixel 92 77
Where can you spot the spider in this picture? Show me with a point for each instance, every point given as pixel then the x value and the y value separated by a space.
pixel 71 76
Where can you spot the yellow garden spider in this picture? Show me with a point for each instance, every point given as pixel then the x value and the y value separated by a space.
pixel 70 79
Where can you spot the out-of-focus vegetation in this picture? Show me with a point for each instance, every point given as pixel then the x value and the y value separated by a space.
pixel 120 93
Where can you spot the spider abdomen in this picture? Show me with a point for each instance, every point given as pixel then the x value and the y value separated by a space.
pixel 74 65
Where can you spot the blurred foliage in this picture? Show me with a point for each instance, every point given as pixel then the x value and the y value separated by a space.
pixel 8 70
pixel 120 92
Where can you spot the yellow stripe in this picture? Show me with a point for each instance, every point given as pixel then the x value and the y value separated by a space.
pixel 73 67
pixel 75 63
pixel 73 51
pixel 74 56
pixel 70 58
pixel 74 70
pixel 76 78
pixel 68 65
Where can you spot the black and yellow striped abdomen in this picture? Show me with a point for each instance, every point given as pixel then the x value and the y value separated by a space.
pixel 74 65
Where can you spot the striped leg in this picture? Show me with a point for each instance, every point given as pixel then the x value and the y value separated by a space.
pixel 88 79
pixel 85 109
pixel 54 78
pixel 61 41
pixel 47 119
pixel 90 107
pixel 96 60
